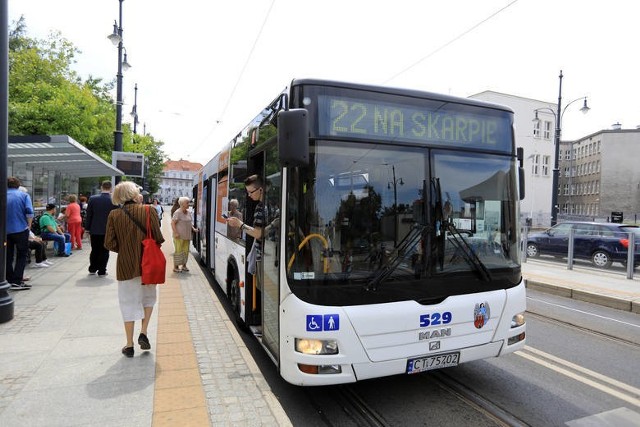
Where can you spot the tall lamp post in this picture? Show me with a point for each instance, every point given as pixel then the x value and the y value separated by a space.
pixel 134 110
pixel 556 167
pixel 116 39
pixel 6 301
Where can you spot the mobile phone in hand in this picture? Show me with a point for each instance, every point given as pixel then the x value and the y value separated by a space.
pixel 225 216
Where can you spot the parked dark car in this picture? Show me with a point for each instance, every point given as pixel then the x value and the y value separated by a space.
pixel 600 243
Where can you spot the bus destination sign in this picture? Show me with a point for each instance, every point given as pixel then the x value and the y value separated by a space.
pixel 398 122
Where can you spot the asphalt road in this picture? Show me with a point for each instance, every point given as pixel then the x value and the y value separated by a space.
pixel 581 364
pixel 581 360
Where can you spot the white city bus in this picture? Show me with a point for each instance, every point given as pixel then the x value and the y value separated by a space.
pixel 393 245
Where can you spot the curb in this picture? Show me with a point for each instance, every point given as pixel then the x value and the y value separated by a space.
pixel 586 296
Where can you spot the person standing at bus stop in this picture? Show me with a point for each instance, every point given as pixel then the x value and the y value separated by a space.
pixel 255 189
pixel 18 223
pixel 74 222
pixel 98 211
pixel 182 226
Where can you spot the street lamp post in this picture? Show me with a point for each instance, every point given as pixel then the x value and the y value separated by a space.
pixel 116 39
pixel 556 163
pixel 134 110
pixel 6 301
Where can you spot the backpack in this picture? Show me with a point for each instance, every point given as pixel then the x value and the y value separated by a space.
pixel 35 225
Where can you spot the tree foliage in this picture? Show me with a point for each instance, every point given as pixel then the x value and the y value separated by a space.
pixel 47 97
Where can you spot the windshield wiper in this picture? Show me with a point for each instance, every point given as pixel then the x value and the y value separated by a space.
pixel 467 252
pixel 404 248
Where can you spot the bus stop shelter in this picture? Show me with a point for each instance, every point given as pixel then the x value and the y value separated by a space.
pixel 49 166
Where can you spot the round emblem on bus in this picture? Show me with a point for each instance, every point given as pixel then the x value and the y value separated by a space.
pixel 481 314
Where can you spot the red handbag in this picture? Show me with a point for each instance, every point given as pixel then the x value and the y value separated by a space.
pixel 154 264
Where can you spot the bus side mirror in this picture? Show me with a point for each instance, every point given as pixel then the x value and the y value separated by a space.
pixel 520 156
pixel 293 137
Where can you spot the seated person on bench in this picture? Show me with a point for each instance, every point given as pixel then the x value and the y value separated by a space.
pixel 36 244
pixel 52 231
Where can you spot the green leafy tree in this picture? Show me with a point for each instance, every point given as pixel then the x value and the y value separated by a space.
pixel 47 97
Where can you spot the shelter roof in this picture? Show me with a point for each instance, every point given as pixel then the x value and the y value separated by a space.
pixel 58 153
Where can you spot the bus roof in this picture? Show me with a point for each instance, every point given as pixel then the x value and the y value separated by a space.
pixel 399 91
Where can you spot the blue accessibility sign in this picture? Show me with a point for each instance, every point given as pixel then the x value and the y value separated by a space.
pixel 323 322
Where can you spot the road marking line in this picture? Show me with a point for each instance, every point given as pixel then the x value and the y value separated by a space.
pixel 585 312
pixel 615 393
pixel 579 368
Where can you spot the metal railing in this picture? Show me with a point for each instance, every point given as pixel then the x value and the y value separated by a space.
pixel 571 250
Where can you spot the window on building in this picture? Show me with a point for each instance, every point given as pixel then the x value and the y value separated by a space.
pixel 546 162
pixel 547 130
pixel 566 189
pixel 536 129
pixel 535 167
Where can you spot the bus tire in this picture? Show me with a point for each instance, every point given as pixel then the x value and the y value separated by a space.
pixel 233 293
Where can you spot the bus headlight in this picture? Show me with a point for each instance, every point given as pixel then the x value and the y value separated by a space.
pixel 517 320
pixel 311 346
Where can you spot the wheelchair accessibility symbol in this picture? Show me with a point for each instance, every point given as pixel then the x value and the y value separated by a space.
pixel 326 322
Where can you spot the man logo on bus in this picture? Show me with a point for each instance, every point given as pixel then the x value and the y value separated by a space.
pixel 481 314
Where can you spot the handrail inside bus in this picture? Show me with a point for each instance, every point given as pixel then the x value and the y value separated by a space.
pixel 304 242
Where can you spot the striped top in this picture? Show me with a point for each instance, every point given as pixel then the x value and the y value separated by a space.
pixel 125 237
pixel 259 221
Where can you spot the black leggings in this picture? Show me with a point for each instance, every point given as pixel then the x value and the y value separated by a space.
pixel 39 249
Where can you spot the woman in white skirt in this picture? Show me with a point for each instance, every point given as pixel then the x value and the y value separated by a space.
pixel 126 228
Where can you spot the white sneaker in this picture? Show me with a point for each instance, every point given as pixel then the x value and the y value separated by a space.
pixel 46 261
pixel 41 265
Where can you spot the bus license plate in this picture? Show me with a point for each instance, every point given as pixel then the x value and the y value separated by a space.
pixel 432 362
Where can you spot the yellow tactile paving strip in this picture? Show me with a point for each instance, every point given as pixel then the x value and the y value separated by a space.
pixel 179 398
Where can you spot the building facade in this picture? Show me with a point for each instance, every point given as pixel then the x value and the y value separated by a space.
pixel 536 137
pixel 600 175
pixel 177 180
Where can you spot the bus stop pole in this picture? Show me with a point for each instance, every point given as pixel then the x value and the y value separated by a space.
pixel 6 301
pixel 572 234
pixel 631 255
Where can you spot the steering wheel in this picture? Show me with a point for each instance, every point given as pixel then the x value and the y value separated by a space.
pixel 304 242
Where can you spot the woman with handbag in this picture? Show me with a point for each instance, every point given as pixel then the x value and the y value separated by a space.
pixel 125 232
pixel 182 226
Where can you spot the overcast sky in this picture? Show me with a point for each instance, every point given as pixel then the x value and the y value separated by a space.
pixel 205 68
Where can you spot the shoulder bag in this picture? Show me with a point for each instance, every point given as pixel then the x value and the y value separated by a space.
pixel 154 264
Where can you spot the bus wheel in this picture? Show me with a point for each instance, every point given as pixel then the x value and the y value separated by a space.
pixel 236 304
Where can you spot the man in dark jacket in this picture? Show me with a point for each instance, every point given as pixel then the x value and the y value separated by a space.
pixel 96 224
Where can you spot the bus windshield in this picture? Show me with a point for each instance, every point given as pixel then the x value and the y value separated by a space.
pixel 368 222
